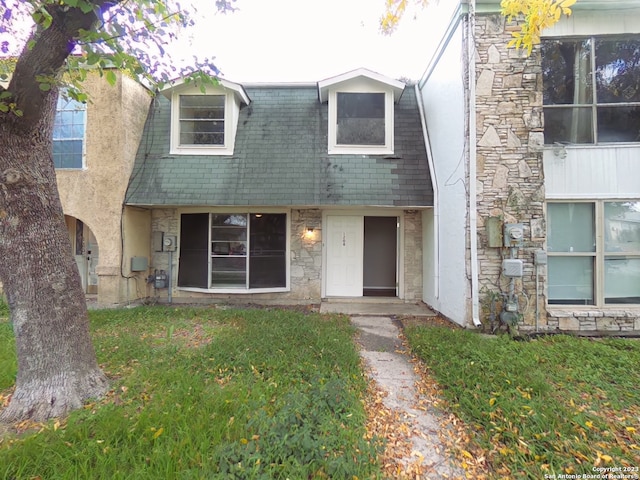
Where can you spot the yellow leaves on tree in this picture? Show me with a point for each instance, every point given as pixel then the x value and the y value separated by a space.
pixel 537 14
pixel 394 10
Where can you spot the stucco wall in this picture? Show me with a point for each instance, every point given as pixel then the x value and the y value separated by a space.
pixel 95 194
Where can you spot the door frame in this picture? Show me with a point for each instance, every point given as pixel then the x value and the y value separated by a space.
pixel 366 212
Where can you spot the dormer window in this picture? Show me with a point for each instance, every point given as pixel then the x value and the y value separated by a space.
pixel 202 120
pixel 360 111
pixel 205 123
pixel 360 118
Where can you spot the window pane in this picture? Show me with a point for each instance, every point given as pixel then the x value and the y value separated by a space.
pixel 622 226
pixel 618 70
pixel 619 124
pixel 267 264
pixel 360 119
pixel 229 272
pixel 621 280
pixel 193 265
pixel 571 227
pixel 570 280
pixel 202 106
pixel 573 125
pixel 67 153
pixel 237 220
pixel 202 119
pixel 566 72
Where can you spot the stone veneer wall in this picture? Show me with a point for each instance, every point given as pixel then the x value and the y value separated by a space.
pixel 412 255
pixel 510 179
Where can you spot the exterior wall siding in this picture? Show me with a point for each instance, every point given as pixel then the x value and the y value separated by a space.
pixel 446 283
pixel 510 179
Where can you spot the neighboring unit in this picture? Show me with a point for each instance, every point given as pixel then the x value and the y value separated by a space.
pixel 536 159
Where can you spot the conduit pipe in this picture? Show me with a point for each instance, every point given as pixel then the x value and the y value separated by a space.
pixel 473 214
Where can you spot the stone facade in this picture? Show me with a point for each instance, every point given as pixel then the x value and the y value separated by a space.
pixel 413 255
pixel 510 179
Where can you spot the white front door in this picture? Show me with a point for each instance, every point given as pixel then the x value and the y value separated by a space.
pixel 344 250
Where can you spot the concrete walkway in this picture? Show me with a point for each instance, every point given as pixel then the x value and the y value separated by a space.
pixel 381 348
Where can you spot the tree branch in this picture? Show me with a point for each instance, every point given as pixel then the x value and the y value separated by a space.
pixel 44 55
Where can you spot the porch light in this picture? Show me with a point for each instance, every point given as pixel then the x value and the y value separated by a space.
pixel 309 233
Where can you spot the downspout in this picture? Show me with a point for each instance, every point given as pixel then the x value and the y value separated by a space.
pixel 436 196
pixel 473 214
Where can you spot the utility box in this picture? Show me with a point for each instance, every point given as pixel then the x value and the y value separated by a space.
pixel 160 279
pixel 513 234
pixel 156 241
pixel 512 267
pixel 169 243
pixel 493 227
pixel 139 264
pixel 540 257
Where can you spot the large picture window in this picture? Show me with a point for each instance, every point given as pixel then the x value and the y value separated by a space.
pixel 594 253
pixel 591 90
pixel 233 251
pixel 68 133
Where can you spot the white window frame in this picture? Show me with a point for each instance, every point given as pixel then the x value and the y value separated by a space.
pixel 230 114
pixel 61 98
pixel 335 148
pixel 237 290
pixel 598 256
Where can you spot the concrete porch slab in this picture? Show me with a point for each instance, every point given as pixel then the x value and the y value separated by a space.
pixel 375 306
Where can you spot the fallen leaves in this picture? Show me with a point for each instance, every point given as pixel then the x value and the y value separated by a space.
pixel 400 459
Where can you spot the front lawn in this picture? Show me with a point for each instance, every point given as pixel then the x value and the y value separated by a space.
pixel 206 393
pixel 551 406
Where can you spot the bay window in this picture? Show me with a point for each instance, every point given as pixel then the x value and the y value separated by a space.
pixel 594 253
pixel 240 251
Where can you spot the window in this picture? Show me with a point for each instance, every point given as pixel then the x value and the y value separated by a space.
pixel 204 121
pixel 360 119
pixel 360 122
pixel 68 133
pixel 591 90
pixel 201 120
pixel 233 251
pixel 594 253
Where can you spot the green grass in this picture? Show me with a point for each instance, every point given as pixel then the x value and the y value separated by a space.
pixel 553 405
pixel 206 394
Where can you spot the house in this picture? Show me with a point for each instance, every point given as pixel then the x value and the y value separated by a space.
pixel 536 168
pixel 285 192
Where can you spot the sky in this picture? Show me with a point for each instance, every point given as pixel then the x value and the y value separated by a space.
pixel 306 40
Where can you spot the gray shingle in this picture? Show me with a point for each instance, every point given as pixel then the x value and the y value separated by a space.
pixel 280 158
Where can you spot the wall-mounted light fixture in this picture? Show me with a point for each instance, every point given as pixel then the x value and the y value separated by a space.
pixel 309 233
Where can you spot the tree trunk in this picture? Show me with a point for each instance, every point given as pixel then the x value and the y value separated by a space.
pixel 57 368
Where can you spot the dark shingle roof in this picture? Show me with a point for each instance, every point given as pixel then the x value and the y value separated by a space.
pixel 280 158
